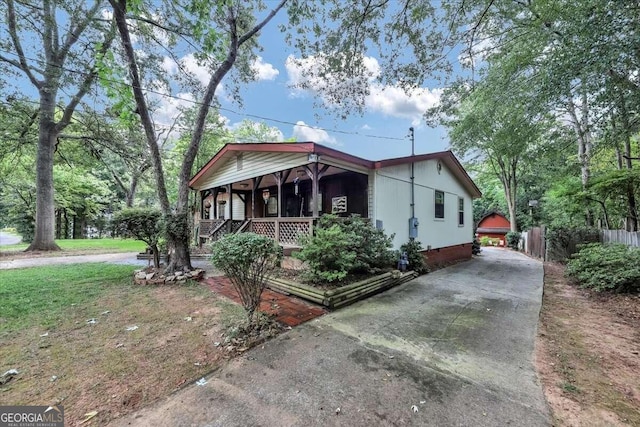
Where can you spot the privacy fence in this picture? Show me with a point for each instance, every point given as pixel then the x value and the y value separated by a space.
pixel 554 246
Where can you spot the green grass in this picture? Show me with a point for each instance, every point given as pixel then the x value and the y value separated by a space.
pixel 115 245
pixel 40 296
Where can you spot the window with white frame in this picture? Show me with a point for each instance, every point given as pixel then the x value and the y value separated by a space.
pixel 460 211
pixel 439 204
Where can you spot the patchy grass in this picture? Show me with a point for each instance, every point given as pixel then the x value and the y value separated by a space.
pixel 587 354
pixel 77 247
pixel 102 366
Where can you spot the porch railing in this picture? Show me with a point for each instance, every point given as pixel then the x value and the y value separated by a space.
pixel 285 231
pixel 207 226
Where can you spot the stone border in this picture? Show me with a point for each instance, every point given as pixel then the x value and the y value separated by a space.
pixel 343 295
pixel 141 277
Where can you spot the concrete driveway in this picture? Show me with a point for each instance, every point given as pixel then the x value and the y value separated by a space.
pixel 452 348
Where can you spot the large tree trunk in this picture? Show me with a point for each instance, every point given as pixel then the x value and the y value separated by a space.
pixel 45 229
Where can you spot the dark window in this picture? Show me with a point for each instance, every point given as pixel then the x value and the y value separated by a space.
pixel 460 211
pixel 439 205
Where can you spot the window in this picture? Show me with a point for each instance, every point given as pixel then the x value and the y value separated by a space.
pixel 460 211
pixel 439 205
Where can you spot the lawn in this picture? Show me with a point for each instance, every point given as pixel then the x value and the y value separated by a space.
pixel 84 336
pixel 81 246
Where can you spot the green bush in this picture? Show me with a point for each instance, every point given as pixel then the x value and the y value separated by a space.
pixel 371 246
pixel 142 224
pixel 413 248
pixel 562 242
pixel 247 259
pixel 614 267
pixel 344 245
pixel 513 239
pixel 328 254
pixel 485 240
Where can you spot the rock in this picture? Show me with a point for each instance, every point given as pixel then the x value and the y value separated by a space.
pixel 170 278
pixel 150 276
pixel 141 275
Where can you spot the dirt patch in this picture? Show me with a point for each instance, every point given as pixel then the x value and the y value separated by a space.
pixel 587 353
pixel 145 343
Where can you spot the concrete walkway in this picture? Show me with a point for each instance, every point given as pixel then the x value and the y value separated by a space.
pixel 128 258
pixel 9 238
pixel 452 348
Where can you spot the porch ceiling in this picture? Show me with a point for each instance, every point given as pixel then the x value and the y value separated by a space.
pixel 270 180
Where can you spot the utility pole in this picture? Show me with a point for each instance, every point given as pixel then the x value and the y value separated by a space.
pixel 413 221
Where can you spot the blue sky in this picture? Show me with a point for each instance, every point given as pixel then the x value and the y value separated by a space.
pixel 381 132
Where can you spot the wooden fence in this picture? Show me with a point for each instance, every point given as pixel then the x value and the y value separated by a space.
pixel 535 244
pixel 629 238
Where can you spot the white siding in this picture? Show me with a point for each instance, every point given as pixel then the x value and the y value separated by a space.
pixel 253 165
pixel 238 209
pixel 393 194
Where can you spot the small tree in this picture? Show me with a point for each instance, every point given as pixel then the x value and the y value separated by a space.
pixel 247 259
pixel 142 224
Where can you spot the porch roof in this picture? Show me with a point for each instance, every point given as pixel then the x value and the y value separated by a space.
pixel 231 150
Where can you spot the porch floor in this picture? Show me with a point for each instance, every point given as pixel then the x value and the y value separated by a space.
pixel 287 309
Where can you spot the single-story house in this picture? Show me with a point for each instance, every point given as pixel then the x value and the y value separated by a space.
pixel 495 226
pixel 279 189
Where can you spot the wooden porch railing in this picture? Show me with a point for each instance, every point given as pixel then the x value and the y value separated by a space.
pixel 207 226
pixel 285 231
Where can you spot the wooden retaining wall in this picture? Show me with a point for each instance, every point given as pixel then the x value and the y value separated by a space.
pixel 344 295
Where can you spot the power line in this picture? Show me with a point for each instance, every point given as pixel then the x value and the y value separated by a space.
pixel 248 115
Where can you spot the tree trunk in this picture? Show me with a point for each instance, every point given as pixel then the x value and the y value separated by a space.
pixel 632 212
pixel 583 135
pixel 131 193
pixel 44 236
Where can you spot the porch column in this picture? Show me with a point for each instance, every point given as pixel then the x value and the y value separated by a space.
pixel 214 206
pixel 230 196
pixel 230 202
pixel 314 189
pixel 281 178
pixel 256 184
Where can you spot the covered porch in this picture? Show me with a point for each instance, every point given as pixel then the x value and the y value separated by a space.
pixel 276 190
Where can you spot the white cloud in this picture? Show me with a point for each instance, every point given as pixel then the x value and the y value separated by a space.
pixel 264 70
pixel 303 132
pixel 199 71
pixel 395 102
pixel 366 127
pixel 389 100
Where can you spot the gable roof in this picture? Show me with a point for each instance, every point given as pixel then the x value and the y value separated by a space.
pixel 231 149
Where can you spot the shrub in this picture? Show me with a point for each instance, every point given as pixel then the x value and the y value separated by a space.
pixel 513 239
pixel 485 240
pixel 328 254
pixel 247 259
pixel 614 267
pixel 142 224
pixel 413 249
pixel 475 249
pixel 371 246
pixel 562 242
pixel 344 245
